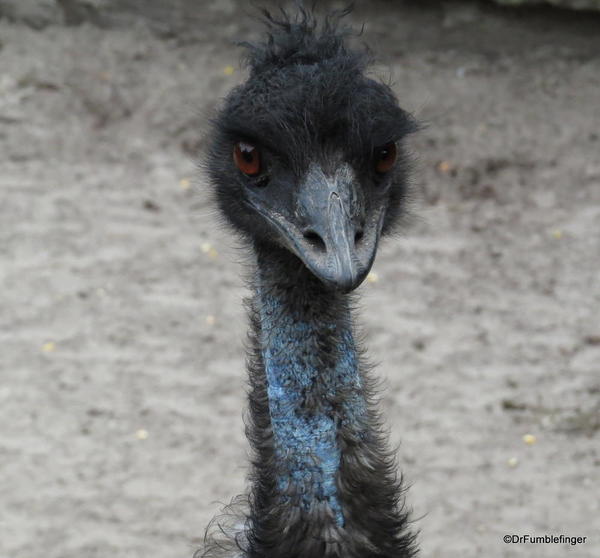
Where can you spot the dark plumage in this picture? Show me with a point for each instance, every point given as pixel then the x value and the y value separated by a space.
pixel 307 165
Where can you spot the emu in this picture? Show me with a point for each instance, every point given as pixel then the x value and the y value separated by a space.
pixel 307 164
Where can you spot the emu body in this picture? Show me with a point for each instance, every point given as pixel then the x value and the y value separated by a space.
pixel 307 166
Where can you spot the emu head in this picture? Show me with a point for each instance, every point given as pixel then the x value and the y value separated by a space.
pixel 306 154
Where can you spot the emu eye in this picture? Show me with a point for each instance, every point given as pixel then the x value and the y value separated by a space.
pixel 246 158
pixel 385 157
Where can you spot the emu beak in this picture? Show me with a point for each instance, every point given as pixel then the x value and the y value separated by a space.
pixel 327 227
pixel 333 239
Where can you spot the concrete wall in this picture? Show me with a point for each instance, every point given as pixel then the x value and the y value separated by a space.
pixel 172 17
pixel 572 4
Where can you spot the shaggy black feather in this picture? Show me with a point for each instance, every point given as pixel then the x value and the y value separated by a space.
pixel 307 96
pixel 308 99
pixel 371 493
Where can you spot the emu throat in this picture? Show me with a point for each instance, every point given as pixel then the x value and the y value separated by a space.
pixel 312 382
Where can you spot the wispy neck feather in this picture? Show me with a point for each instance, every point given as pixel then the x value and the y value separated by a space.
pixel 323 484
pixel 310 364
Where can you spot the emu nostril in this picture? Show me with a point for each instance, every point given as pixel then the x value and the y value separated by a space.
pixel 358 237
pixel 315 240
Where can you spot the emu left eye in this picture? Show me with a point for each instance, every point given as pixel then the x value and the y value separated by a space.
pixel 246 158
pixel 385 157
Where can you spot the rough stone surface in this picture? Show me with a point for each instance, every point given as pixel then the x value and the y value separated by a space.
pixel 121 369
pixel 175 16
pixel 571 4
pixel 35 13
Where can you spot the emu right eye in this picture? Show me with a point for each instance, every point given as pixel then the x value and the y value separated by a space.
pixel 385 157
pixel 246 158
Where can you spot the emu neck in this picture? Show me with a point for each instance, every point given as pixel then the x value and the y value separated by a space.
pixel 312 381
pixel 324 484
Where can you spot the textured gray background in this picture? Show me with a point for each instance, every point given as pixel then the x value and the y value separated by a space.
pixel 484 319
pixel 571 4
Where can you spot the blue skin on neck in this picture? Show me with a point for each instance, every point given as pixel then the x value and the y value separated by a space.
pixel 306 441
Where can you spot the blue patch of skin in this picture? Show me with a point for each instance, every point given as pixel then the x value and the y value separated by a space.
pixel 306 441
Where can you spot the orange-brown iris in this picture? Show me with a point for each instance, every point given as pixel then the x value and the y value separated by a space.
pixel 246 158
pixel 385 157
